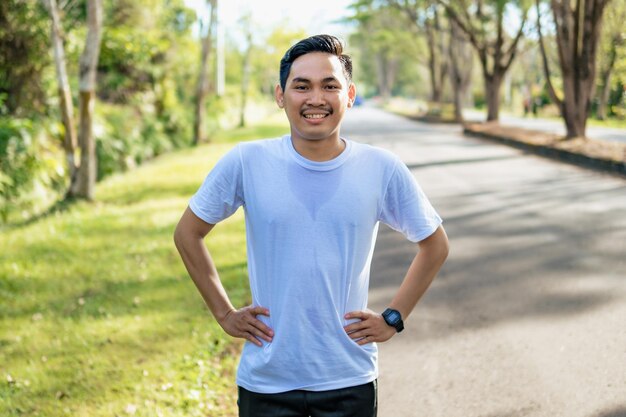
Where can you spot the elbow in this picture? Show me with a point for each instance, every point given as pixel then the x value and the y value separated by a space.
pixel 439 246
pixel 445 250
pixel 178 237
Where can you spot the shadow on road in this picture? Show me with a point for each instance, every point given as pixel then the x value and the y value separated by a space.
pixel 517 252
pixel 614 412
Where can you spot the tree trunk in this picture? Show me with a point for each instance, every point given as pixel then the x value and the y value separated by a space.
pixel 577 35
pixel 458 104
pixel 604 96
pixel 84 185
pixel 442 52
pixel 435 65
pixel 245 79
pixel 460 74
pixel 381 75
pixel 495 57
pixel 203 77
pixel 492 94
pixel 606 82
pixel 65 95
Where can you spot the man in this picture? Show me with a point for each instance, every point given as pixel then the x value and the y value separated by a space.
pixel 312 202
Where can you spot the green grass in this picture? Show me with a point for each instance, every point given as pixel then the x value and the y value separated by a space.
pixel 98 316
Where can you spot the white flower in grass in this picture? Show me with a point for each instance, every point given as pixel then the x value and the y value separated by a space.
pixel 130 409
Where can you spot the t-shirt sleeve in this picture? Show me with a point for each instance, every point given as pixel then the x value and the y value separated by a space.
pixel 221 193
pixel 406 208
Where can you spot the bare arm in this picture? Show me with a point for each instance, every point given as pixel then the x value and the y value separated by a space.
pixel 189 239
pixel 433 251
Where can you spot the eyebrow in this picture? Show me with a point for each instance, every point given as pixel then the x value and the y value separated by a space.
pixel 306 80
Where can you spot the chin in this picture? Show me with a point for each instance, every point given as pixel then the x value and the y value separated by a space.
pixel 313 137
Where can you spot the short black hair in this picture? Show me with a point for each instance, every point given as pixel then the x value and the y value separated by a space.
pixel 317 43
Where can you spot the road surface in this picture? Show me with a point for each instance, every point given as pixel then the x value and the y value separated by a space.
pixel 528 316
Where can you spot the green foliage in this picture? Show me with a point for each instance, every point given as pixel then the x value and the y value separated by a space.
pixel 136 45
pixel 480 102
pixel 23 56
pixel 126 63
pixel 146 84
pixel 31 166
pixel 617 101
pixel 612 46
pixel 127 136
pixel 385 42
pixel 99 317
pixel 266 60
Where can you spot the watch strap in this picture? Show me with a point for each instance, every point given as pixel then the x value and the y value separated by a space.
pixel 394 319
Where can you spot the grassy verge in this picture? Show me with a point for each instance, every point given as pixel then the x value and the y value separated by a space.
pixel 98 316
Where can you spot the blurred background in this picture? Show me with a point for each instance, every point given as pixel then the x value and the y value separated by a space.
pixel 168 74
pixel 95 310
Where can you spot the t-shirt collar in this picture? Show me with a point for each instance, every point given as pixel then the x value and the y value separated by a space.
pixel 316 165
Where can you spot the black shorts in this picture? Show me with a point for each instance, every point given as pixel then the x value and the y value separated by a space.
pixel 359 401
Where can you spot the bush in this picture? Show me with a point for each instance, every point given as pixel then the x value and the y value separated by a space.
pixel 479 100
pixel 32 170
pixel 127 136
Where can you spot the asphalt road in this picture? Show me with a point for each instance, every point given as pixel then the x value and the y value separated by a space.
pixel 528 316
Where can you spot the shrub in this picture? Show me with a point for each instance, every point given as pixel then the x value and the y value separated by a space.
pixel 32 170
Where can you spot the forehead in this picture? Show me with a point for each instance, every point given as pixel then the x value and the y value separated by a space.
pixel 317 66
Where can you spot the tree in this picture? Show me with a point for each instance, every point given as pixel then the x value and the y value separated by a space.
pixel 23 39
pixel 387 51
pixel 202 88
pixel 85 180
pixel 426 17
pixel 460 68
pixel 483 21
pixel 265 61
pixel 613 37
pixel 65 94
pixel 246 22
pixel 577 34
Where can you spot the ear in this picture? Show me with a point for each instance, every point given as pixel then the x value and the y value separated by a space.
pixel 278 96
pixel 351 94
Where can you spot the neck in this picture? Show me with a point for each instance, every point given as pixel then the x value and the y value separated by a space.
pixel 319 150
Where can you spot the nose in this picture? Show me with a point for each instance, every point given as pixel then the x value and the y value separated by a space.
pixel 316 97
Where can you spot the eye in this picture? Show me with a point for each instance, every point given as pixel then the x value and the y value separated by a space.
pixel 300 87
pixel 332 87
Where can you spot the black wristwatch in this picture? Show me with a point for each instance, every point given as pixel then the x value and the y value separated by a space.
pixel 394 319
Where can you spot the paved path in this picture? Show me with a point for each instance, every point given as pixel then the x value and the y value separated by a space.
pixel 528 316
pixel 552 126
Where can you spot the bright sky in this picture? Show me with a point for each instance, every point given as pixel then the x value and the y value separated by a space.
pixel 318 16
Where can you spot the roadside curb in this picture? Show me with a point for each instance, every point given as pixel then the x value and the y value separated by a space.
pixel 550 145
pixel 599 155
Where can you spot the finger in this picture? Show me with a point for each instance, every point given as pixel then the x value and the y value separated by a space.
pixel 253 339
pixel 365 340
pixel 258 324
pixel 355 327
pixel 355 315
pixel 260 311
pixel 358 335
pixel 259 334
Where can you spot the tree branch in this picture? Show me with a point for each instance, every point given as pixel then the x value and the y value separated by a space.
pixel 546 66
pixel 511 52
pixel 470 33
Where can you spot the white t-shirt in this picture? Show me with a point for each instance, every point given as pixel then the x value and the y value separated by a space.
pixel 311 229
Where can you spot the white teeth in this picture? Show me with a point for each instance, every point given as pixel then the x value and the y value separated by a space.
pixel 314 116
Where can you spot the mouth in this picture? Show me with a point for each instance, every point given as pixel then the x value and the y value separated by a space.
pixel 316 114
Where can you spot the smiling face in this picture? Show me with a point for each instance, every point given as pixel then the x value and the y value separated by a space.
pixel 316 97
